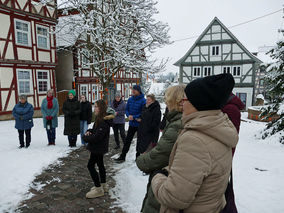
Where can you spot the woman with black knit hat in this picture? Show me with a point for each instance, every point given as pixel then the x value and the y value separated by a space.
pixel 201 159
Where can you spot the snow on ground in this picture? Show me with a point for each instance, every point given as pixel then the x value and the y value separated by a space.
pixel 130 185
pixel 258 174
pixel 20 166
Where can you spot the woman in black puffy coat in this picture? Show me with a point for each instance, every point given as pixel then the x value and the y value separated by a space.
pixel 149 128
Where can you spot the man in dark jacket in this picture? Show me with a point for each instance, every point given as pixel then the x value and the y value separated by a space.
pixel 119 121
pixel 133 112
pixel 148 131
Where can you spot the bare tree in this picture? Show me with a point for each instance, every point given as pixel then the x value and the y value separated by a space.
pixel 114 35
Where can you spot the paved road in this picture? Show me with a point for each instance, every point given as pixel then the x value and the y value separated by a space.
pixel 66 185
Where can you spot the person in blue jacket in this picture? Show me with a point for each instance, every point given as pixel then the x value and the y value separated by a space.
pixel 49 110
pixel 23 113
pixel 133 111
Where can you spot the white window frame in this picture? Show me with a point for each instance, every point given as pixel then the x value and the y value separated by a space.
pixel 29 80
pixel 210 70
pixel 47 37
pixel 226 67
pixel 43 80
pixel 87 90
pixel 82 57
pixel 96 92
pixel 212 48
pixel 193 74
pixel 236 67
pixel 17 30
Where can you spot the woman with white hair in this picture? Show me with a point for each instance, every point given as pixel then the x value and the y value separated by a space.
pixel 49 110
pixel 23 113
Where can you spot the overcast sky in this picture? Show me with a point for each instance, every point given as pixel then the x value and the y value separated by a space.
pixel 188 18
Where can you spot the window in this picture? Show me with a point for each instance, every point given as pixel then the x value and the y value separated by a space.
pixel 261 82
pixel 215 50
pixel 42 37
pixel 22 32
pixel 85 58
pixel 243 97
pixel 95 93
pixel 84 90
pixel 24 81
pixel 207 71
pixel 196 72
pixel 42 81
pixel 226 69
pixel 237 71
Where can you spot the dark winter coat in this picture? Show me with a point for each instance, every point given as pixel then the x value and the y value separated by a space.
pixel 98 141
pixel 71 110
pixel 134 107
pixel 158 158
pixel 50 112
pixel 86 112
pixel 232 109
pixel 23 114
pixel 120 109
pixel 164 120
pixel 149 128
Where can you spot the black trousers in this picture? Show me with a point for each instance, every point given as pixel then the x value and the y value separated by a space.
pixel 130 135
pixel 72 140
pixel 99 160
pixel 28 137
pixel 121 129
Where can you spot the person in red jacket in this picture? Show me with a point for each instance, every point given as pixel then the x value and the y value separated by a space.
pixel 233 109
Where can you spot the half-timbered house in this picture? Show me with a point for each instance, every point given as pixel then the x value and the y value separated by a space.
pixel 218 51
pixel 27 52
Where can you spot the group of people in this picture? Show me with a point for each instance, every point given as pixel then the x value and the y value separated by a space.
pixel 189 166
pixel 77 116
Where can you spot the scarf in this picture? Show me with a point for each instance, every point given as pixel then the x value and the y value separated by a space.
pixel 49 102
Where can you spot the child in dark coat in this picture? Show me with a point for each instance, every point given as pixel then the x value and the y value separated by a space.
pixel 98 140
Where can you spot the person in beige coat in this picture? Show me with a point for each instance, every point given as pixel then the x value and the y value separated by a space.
pixel 201 159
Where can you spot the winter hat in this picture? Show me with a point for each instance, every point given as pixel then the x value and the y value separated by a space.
pixel 73 92
pixel 211 92
pixel 23 97
pixel 137 87
pixel 118 94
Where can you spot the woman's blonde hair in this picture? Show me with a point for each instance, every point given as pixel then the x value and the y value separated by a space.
pixel 174 96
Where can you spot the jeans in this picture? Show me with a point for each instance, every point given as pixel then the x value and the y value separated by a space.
pixel 130 134
pixel 72 140
pixel 121 129
pixel 83 130
pixel 51 135
pixel 99 160
pixel 28 137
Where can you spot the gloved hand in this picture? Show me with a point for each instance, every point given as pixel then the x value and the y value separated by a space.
pixel 48 117
pixel 161 171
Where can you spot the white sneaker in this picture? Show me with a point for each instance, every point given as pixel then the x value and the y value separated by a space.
pixel 95 192
pixel 105 187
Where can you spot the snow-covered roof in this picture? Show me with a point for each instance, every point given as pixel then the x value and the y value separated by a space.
pixel 260 96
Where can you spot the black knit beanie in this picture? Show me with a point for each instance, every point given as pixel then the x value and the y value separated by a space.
pixel 211 92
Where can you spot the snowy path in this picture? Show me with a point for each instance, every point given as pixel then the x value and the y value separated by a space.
pixel 20 166
pixel 256 191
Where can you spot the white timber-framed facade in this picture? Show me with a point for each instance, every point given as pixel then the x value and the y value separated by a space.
pixel 218 51
pixel 27 52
